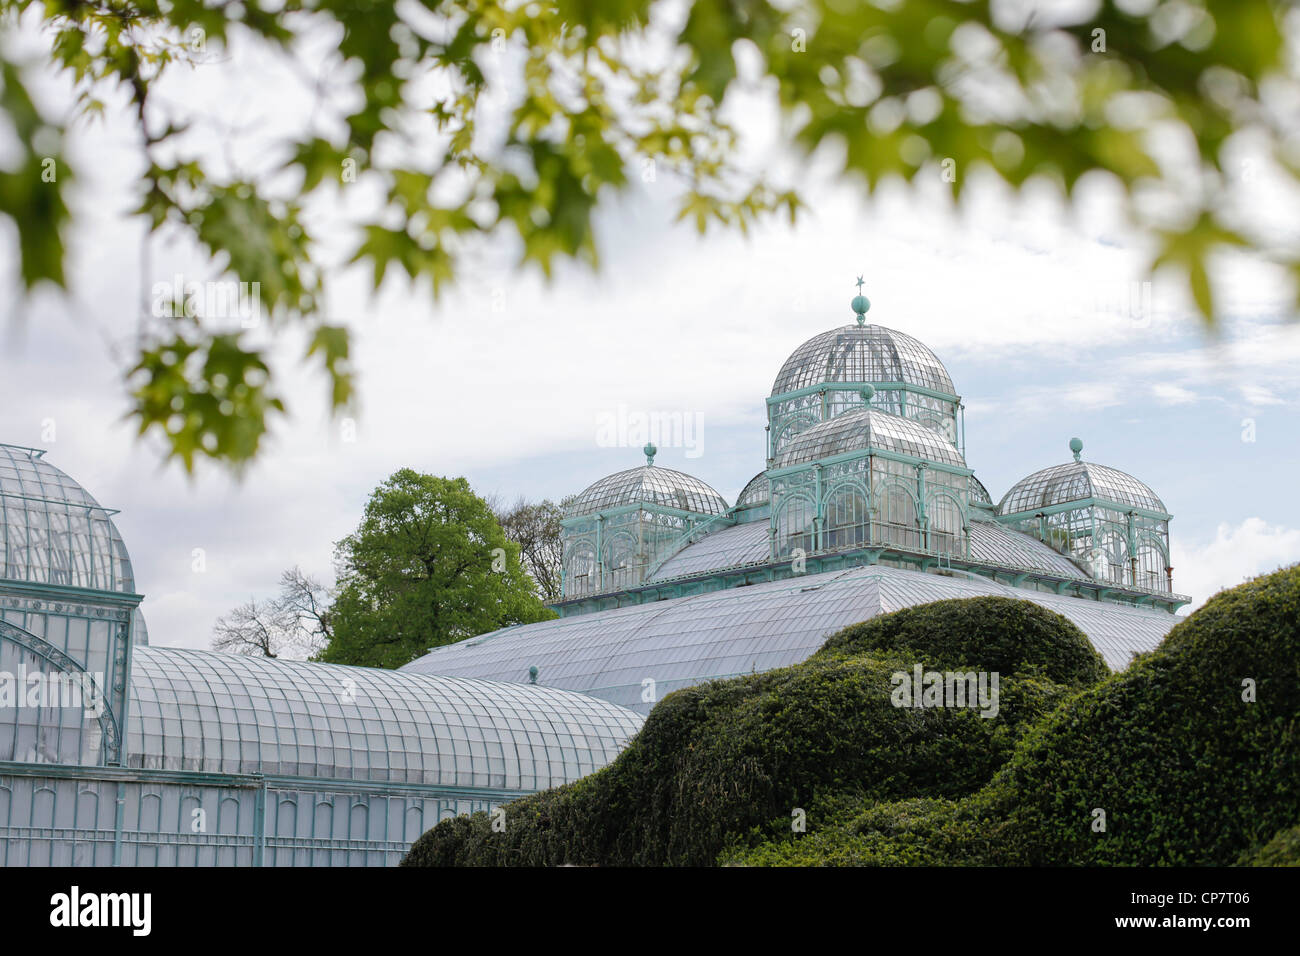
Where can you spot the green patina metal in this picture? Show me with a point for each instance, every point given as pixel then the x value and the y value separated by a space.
pixel 877 498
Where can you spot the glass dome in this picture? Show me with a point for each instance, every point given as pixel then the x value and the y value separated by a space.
pixel 53 531
pixel 754 493
pixel 1076 481
pixel 224 713
pixel 869 427
pixel 866 353
pixel 651 485
pixel 978 492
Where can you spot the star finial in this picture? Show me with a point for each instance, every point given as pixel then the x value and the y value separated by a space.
pixel 859 283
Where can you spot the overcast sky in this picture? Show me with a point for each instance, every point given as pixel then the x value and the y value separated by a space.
pixel 508 380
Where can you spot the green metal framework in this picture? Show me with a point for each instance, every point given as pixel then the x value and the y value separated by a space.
pixel 828 374
pixel 866 462
pixel 1112 524
pixel 619 529
pixel 114 753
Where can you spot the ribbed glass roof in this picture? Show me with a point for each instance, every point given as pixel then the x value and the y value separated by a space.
pixel 202 710
pixel 52 531
pixel 1076 481
pixel 755 493
pixel 648 484
pixel 867 353
pixel 854 431
pixel 978 492
pixel 611 654
pixel 745 545
pixel 993 543
pixel 734 547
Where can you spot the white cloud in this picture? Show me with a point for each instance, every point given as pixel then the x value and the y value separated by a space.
pixel 1258 395
pixel 1167 394
pixel 1235 554
pixel 507 369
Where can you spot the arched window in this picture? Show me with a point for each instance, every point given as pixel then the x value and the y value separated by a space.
pixel 847 518
pixel 794 525
pixel 1151 566
pixel 580 569
pixel 945 524
pixel 622 563
pixel 896 520
pixel 1113 562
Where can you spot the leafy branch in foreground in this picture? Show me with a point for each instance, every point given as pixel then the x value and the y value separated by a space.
pixel 1154 94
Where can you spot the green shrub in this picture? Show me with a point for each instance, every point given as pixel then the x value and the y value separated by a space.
pixel 1282 850
pixel 726 764
pixel 992 634
pixel 1187 771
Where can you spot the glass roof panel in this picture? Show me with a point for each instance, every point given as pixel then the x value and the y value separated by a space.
pixel 299 718
pixel 1077 481
pixel 754 493
pixel 854 431
pixel 52 531
pixel 737 546
pixel 675 643
pixel 649 484
pixel 993 543
pixel 868 353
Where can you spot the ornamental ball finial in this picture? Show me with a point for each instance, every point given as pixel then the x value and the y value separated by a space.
pixel 868 393
pixel 650 450
pixel 860 304
pixel 532 674
pixel 1076 446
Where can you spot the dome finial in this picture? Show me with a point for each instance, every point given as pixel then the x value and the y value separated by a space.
pixel 650 451
pixel 860 304
pixel 1076 446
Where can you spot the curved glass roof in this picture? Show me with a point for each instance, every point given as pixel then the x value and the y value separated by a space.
pixel 53 531
pixel 755 493
pixel 866 353
pixel 978 492
pixel 1076 481
pixel 648 484
pixel 855 431
pixel 203 710
pixel 745 545
pixel 687 640
pixel 734 547
pixel 139 629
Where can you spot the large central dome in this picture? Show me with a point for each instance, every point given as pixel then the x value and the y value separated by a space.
pixel 863 353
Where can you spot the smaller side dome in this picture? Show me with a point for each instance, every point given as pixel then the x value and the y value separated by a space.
pixel 650 485
pixel 978 493
pixel 756 492
pixel 1077 481
pixel 856 431
pixel 52 531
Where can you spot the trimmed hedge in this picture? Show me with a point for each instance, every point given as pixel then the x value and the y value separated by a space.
pixel 725 765
pixel 1282 850
pixel 992 634
pixel 1186 768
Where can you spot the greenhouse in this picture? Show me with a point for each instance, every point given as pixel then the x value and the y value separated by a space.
pixel 116 752
pixel 866 505
pixel 162 756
